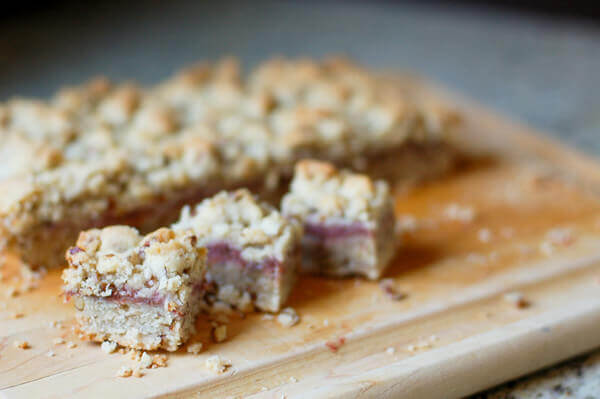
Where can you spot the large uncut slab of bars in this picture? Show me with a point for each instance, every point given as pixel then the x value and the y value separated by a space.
pixel 105 154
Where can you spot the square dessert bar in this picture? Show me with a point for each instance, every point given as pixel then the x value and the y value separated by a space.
pixel 253 251
pixel 348 220
pixel 142 292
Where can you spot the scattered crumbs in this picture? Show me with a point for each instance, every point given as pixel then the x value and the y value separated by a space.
pixel 220 308
pixel 418 346
pixel 145 361
pixel 50 354
pixel 219 333
pixel 460 213
pixel 71 345
pixel 137 372
pixel 135 355
pixel 335 345
pixel 267 316
pixel 484 235
pixel 293 379
pixel 288 317
pixel 560 236
pixel 125 372
pixel 122 351
pixel 390 351
pixel 476 258
pixel 517 299
pixel 546 248
pixel 11 292
pixel 17 315
pixel 220 318
pixel 406 223
pixel 556 237
pixel 390 290
pixel 159 361
pixel 108 346
pixel 58 341
pixel 217 364
pixel 53 324
pixel 194 348
pixel 326 322
pixel 22 345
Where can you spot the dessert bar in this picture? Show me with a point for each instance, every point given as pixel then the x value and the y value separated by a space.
pixel 253 253
pixel 348 220
pixel 142 292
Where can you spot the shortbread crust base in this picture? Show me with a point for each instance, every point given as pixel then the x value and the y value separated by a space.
pixel 135 325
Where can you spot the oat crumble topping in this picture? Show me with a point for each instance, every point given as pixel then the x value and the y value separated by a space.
pixel 321 191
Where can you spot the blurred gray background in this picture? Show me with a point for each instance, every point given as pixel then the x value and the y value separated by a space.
pixel 540 69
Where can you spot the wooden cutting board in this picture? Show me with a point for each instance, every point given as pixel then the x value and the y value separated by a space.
pixel 523 218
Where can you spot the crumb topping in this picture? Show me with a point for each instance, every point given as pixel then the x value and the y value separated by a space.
pixel 321 192
pixel 257 229
pixel 117 260
pixel 66 157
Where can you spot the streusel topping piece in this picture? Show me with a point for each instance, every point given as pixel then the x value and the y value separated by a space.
pixel 319 189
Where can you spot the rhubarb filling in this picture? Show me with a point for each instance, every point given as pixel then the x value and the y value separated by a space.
pixel 222 252
pixel 324 231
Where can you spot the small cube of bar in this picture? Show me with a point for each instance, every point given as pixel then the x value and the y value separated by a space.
pixel 348 220
pixel 142 292
pixel 253 251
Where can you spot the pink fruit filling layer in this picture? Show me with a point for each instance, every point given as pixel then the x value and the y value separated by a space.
pixel 127 295
pixel 223 252
pixel 333 231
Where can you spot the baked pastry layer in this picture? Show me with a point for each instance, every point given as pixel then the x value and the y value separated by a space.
pixel 253 251
pixel 348 220
pixel 103 154
pixel 138 291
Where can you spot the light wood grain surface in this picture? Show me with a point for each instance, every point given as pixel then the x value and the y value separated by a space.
pixel 535 229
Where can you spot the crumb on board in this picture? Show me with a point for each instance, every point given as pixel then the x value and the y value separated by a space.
pixel 336 344
pixel 145 361
pixel 159 361
pixel 22 344
pixel 195 348
pixel 17 315
pixel 219 333
pixel 288 317
pixel 390 350
pixel 58 341
pixel 406 224
pixel 125 372
pixel 516 299
pixel 50 354
pixel 460 213
pixel 389 288
pixel 484 235
pixel 217 364
pixel 108 347
pixel 137 372
pixel 293 379
pixel 71 345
